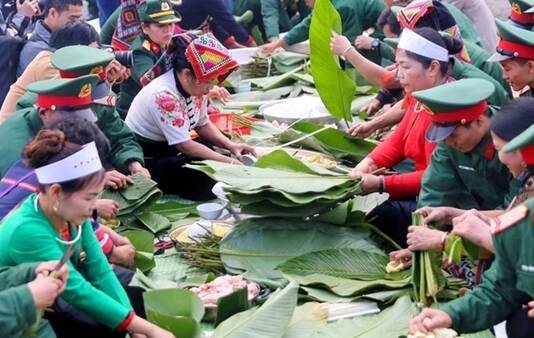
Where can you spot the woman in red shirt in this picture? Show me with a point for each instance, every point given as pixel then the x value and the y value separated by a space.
pixel 422 57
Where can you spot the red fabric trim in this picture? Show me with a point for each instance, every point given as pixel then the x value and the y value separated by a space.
pixel 70 75
pixel 126 322
pixel 467 114
pixel 229 41
pixel 22 185
pixel 517 49
pixel 250 41
pixel 524 18
pixel 528 154
pixel 47 101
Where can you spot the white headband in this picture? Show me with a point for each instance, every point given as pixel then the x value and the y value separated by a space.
pixel 417 44
pixel 80 164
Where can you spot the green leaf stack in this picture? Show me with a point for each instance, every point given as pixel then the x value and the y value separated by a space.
pixel 280 185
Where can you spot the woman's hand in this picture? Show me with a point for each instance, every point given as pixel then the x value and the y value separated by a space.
pixel 123 255
pixel 28 8
pixel 371 108
pixel 364 42
pixel 47 267
pixel 107 209
pixel 339 44
pixel 421 238
pixel 137 168
pixel 116 180
pixel 240 149
pixel 219 93
pixel 272 46
pixel 362 130
pixel 369 183
pixel 428 320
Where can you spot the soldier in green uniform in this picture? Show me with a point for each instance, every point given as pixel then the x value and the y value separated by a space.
pixel 149 56
pixel 507 289
pixel 57 101
pixel 356 17
pixel 464 170
pixel 126 153
pixel 515 52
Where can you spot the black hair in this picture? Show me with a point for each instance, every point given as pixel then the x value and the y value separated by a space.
pixel 514 118
pixel 74 33
pixel 59 5
pixel 388 18
pixel 81 131
pixel 181 42
pixel 49 146
pixel 452 45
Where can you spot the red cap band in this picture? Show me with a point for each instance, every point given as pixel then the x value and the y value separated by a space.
pixel 528 154
pixel 466 114
pixel 524 18
pixel 101 72
pixel 518 50
pixel 47 101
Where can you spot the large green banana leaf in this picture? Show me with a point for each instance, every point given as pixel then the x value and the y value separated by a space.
pixel 143 241
pixel 136 197
pixel 335 88
pixel 251 178
pixel 391 322
pixel 348 287
pixel 337 142
pixel 344 262
pixel 155 222
pixel 258 245
pixel 307 319
pixel 280 159
pixel 269 321
pixel 177 310
pixel 268 209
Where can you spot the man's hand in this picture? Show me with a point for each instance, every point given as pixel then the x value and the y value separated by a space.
pixel 136 167
pixel 28 8
pixel 428 320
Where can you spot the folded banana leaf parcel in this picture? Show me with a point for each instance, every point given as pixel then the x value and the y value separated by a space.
pixel 280 185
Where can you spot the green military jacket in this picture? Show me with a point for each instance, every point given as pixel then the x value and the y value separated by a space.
pixel 107 31
pixel 17 308
pixel 509 283
pixel 462 70
pixel 92 286
pixel 356 17
pixel 143 60
pixel 124 145
pixel 473 180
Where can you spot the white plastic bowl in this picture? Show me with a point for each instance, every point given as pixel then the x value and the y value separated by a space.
pixel 210 211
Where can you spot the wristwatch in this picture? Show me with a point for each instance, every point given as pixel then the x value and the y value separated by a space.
pixel 375 43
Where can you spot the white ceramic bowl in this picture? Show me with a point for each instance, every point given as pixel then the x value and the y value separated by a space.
pixel 210 211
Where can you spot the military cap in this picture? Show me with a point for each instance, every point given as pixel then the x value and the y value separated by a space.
pixel 521 13
pixel 68 96
pixel 76 61
pixel 525 143
pixel 158 11
pixel 514 42
pixel 452 104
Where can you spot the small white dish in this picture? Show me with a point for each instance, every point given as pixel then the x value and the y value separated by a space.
pixel 210 211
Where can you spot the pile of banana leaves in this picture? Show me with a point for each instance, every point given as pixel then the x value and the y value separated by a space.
pixel 279 185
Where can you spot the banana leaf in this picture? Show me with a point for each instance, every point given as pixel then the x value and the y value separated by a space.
pixel 176 310
pixel 270 320
pixel 307 319
pixel 347 287
pixel 141 186
pixel 143 241
pixel 231 304
pixel 335 87
pixel 175 209
pixel 337 142
pixel 260 244
pixel 384 298
pixel 392 322
pixel 271 82
pixel 156 223
pixel 252 178
pixel 456 246
pixel 268 209
pixel 280 159
pixel 135 198
pixel 345 263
